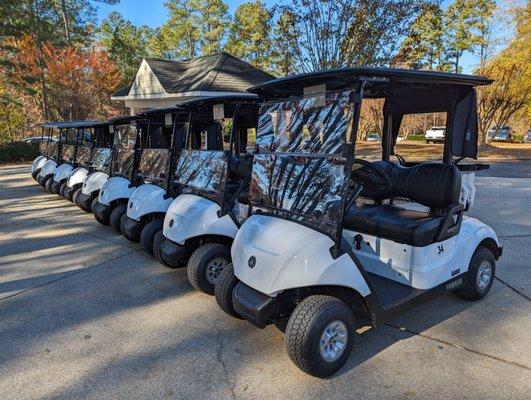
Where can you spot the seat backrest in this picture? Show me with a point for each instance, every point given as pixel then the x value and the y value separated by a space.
pixel 433 185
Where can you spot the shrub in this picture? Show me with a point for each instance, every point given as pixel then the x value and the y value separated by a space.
pixel 416 138
pixel 17 152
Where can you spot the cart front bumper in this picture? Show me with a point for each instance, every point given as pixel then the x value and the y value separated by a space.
pixel 56 186
pixel 102 211
pixel 257 308
pixel 85 200
pixel 131 228
pixel 173 253
pixel 68 193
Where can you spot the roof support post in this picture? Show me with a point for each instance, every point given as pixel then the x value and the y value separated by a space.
pixel 447 155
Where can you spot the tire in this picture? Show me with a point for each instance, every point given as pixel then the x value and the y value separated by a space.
pixel 306 327
pixel 48 185
pixel 62 189
pixel 223 289
pixel 116 216
pixel 147 236
pixel 158 239
pixel 205 265
pixel 478 263
pixel 76 194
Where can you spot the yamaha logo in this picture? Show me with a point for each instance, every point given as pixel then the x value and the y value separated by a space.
pixel 252 262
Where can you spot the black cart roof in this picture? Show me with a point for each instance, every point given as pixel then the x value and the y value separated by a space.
pixel 204 101
pixel 336 79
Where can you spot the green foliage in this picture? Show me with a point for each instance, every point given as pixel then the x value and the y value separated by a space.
pixel 194 27
pixel 17 152
pixel 126 44
pixel 249 37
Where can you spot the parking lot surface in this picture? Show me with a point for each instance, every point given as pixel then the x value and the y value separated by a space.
pixel 86 314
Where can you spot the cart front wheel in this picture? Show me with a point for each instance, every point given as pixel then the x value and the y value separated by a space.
pixel 48 185
pixel 147 236
pixel 481 273
pixel 223 289
pixel 62 189
pixel 205 265
pixel 320 335
pixel 116 216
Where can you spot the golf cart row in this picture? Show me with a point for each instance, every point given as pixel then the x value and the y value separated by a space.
pixel 263 199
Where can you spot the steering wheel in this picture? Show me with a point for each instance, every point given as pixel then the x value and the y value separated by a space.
pixel 374 180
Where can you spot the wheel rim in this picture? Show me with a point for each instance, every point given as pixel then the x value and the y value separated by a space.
pixel 214 268
pixel 333 341
pixel 484 275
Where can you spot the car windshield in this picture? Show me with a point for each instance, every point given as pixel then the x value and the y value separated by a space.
pixel 300 172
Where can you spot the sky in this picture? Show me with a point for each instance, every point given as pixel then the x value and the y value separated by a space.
pixel 153 13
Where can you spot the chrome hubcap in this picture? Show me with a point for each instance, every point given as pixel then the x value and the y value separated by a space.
pixel 214 268
pixel 333 341
pixel 484 275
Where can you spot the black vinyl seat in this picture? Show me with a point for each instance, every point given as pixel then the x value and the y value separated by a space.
pixel 433 185
pixel 403 226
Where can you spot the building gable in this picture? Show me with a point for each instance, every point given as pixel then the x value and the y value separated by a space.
pixel 145 82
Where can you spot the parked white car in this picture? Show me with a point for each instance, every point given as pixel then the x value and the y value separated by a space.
pixel 435 134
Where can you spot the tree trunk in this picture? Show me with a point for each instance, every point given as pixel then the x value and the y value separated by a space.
pixel 65 23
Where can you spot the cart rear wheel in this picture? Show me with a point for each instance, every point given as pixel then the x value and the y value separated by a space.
pixel 223 289
pixel 481 273
pixel 48 185
pixel 147 236
pixel 116 216
pixel 320 335
pixel 205 265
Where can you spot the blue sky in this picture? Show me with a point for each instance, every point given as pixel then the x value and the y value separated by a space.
pixel 153 13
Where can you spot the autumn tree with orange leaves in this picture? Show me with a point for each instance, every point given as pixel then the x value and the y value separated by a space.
pixel 69 83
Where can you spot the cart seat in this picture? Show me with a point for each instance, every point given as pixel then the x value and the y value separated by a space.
pixel 433 185
pixel 415 228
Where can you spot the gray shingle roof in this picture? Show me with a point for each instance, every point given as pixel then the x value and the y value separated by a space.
pixel 219 72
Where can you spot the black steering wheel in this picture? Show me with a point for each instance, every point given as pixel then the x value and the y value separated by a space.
pixel 374 180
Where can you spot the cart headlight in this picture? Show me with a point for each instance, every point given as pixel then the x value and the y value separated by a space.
pixel 171 223
pixel 251 262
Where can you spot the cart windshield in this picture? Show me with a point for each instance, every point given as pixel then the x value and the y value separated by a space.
pixel 67 152
pixel 301 173
pixel 83 155
pixel 101 159
pixel 154 164
pixel 203 171
pixel 123 152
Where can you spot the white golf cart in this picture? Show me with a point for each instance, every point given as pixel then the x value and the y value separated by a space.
pixel 75 151
pixel 47 150
pixel 109 135
pixel 64 151
pixel 201 223
pixel 116 190
pixel 332 237
pixel 154 189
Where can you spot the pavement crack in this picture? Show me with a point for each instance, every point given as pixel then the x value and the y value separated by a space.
pixel 513 289
pixel 79 271
pixel 219 356
pixel 467 349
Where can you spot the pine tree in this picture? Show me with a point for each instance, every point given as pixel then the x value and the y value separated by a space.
pixel 249 37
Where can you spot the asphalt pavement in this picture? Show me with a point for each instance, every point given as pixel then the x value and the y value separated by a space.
pixel 86 314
